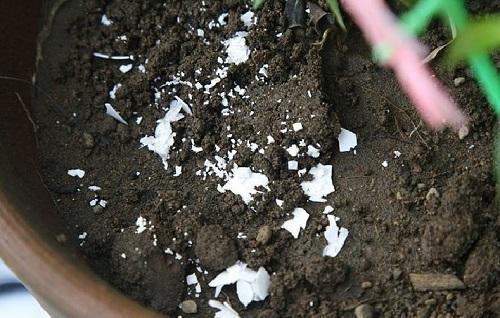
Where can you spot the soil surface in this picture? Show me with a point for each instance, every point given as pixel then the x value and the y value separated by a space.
pixel 431 210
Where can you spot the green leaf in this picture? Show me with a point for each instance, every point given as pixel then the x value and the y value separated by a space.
pixel 257 4
pixel 479 37
pixel 334 7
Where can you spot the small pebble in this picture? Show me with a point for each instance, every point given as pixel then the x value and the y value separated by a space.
pixel 366 285
pixel 88 140
pixel 458 81
pixel 264 234
pixel 189 307
pixel 435 281
pixel 396 274
pixel 430 302
pixel 432 192
pixel 463 132
pixel 97 209
pixel 364 311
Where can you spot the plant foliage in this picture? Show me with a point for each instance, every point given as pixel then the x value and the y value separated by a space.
pixel 333 5
pixel 478 37
pixel 257 4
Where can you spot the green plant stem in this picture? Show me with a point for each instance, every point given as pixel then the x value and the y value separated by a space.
pixel 418 18
pixel 487 76
pixel 458 13
pixel 335 8
pixel 257 4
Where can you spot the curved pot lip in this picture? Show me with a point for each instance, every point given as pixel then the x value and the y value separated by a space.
pixel 64 288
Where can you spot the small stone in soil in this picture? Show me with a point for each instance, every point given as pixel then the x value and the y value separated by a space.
pixel 189 307
pixel 364 311
pixel 458 81
pixel 366 285
pixel 88 140
pixel 425 282
pixel 264 234
pixel 430 302
pixel 396 274
pixel 433 192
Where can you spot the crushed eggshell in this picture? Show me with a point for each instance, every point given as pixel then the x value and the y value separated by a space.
pixel 105 20
pixel 321 185
pixel 163 139
pixel 347 140
pixel 297 127
pixel 244 182
pixel 279 202
pixel 192 279
pixel 293 150
pixel 335 237
pixel 299 221
pixel 225 310
pixel 113 113
pixel 328 209
pixel 141 225
pixel 248 19
pixel 76 173
pixel 313 152
pixel 236 48
pixel 126 68
pixel 250 285
pixel 178 171
pixel 293 165
pixel 195 148
pixel 112 93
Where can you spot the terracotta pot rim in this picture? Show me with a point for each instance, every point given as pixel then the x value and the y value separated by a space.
pixel 63 287
pixel 28 218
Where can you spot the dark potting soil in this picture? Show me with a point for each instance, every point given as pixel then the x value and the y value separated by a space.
pixel 431 210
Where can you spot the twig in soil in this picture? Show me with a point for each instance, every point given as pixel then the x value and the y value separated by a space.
pixel 27 112
pixel 44 185
pixel 324 38
pixel 353 177
pixel 415 130
pixel 24 81
pixel 28 115
pixel 45 33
